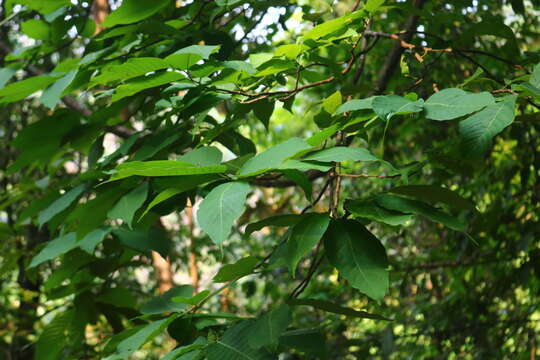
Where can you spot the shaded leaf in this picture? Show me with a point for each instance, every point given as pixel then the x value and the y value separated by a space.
pixel 369 209
pixel 269 327
pixel 390 105
pixel 452 103
pixel 335 308
pixel 164 303
pixel 277 220
pixel 341 153
pixel 55 248
pixel 132 68
pixel 237 270
pixel 60 204
pixel 51 96
pixel 137 85
pixel 434 193
pixel 128 204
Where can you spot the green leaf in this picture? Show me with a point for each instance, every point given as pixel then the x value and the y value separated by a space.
pixel 354 105
pixel 51 96
pixel 388 106
pixel 359 257
pixel 432 193
pixel 452 103
pixel 164 303
pixel 119 297
pixel 341 153
pixel 477 130
pixel 131 11
pixel 269 327
pixel 290 51
pixel 415 207
pixel 36 29
pixel 334 25
pixel 335 308
pixel 203 156
pixel 332 103
pixel 184 352
pixel 220 208
pixel 273 157
pixel 240 66
pixel 534 80
pixel 137 85
pixel 300 179
pixel 185 58
pixel 237 270
pixel 163 168
pixel 263 111
pixel 274 66
pixel 318 138
pixel 92 239
pixel 193 300
pixel 60 204
pixel 132 68
pixel 138 338
pixel 293 164
pixel 277 220
pixel 234 345
pixel 19 90
pixel 6 74
pixel 52 339
pixel 304 236
pixel 44 6
pixel 373 5
pixel 310 341
pixel 128 204
pixel 144 241
pixel 369 209
pixel 55 248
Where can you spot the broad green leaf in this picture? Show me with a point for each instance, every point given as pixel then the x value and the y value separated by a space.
pixel 293 164
pixel 273 157
pixel 269 327
pixel 141 336
pixel 452 103
pixel 359 257
pixel 477 130
pixel 131 11
pixel 354 105
pixel 119 297
pixel 334 25
pixel 51 96
pixel 163 168
pixel 237 270
pixel 132 68
pixel 164 303
pixel 274 66
pixel 390 105
pixel 415 207
pixel 193 300
pixel 335 308
pixel 203 156
pixel 300 178
pixel 44 6
pixel 277 220
pixel 332 103
pixel 6 74
pixel 137 85
pixel 310 341
pixel 52 339
pixel 185 58
pixel 341 153
pixel 434 193
pixel 369 209
pixel 184 352
pixel 234 345
pixel 304 236
pixel 19 90
pixel 144 241
pixel 60 204
pixel 55 248
pixel 373 5
pixel 318 138
pixel 36 29
pixel 128 204
pixel 92 239
pixel 534 80
pixel 290 51
pixel 263 111
pixel 240 66
pixel 220 208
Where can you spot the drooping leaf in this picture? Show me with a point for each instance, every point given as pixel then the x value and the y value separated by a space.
pixel 220 208
pixel 335 308
pixel 534 80
pixel 341 153
pixel 119 297
pixel 137 85
pixel 300 179
pixel 131 11
pixel 333 25
pixel 163 303
pixel 132 68
pixel 434 193
pixel 185 58
pixel 60 204
pixel 51 96
pixel 263 111
pixel 310 341
pixel 452 103
pixel 144 241
pixel 356 104
pixel 19 90
pixel 477 130
pixel 188 352
pixel 92 239
pixel 373 5
pixel 390 105
pixel 55 248
pixel 237 270
pixel 359 257
pixel 36 29
pixel 273 157
pixel 52 340
pixel 369 209
pixel 304 236
pixel 277 220
pixel 163 168
pixel 269 327
pixel 128 204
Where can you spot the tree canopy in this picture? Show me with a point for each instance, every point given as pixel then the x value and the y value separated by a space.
pixel 264 179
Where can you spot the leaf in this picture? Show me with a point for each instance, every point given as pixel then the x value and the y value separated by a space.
pixel 304 236
pixel 341 153
pixel 477 130
pixel 139 84
pixel 119 297
pixel 354 105
pixel 452 103
pixel 180 352
pixel 144 241
pixel 55 248
pixel 534 80
pixel 290 51
pixel 36 29
pixel 193 300
pixel 237 270
pixel 432 193
pixel 234 345
pixel 318 138
pixel 52 339
pixel 19 90
pixel 269 327
pixel 60 204
pixel 240 66
pixel 185 58
pixel 273 157
pixel 263 111
pixel 163 168
pixel 359 257
pixel 44 6
pixel 415 207
pixel 277 220
pixel 92 239
pixel 203 156
pixel 310 341
pixel 128 204
pixel 142 335
pixel 390 105
pixel 373 5
pixel 164 303
pixel 336 309
pixel 274 66
pixel 220 208
pixel 369 209
pixel 300 179
pixel 331 103
pixel 334 25
pixel 293 164
pixel 131 11
pixel 132 68
pixel 51 96
pixel 6 74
